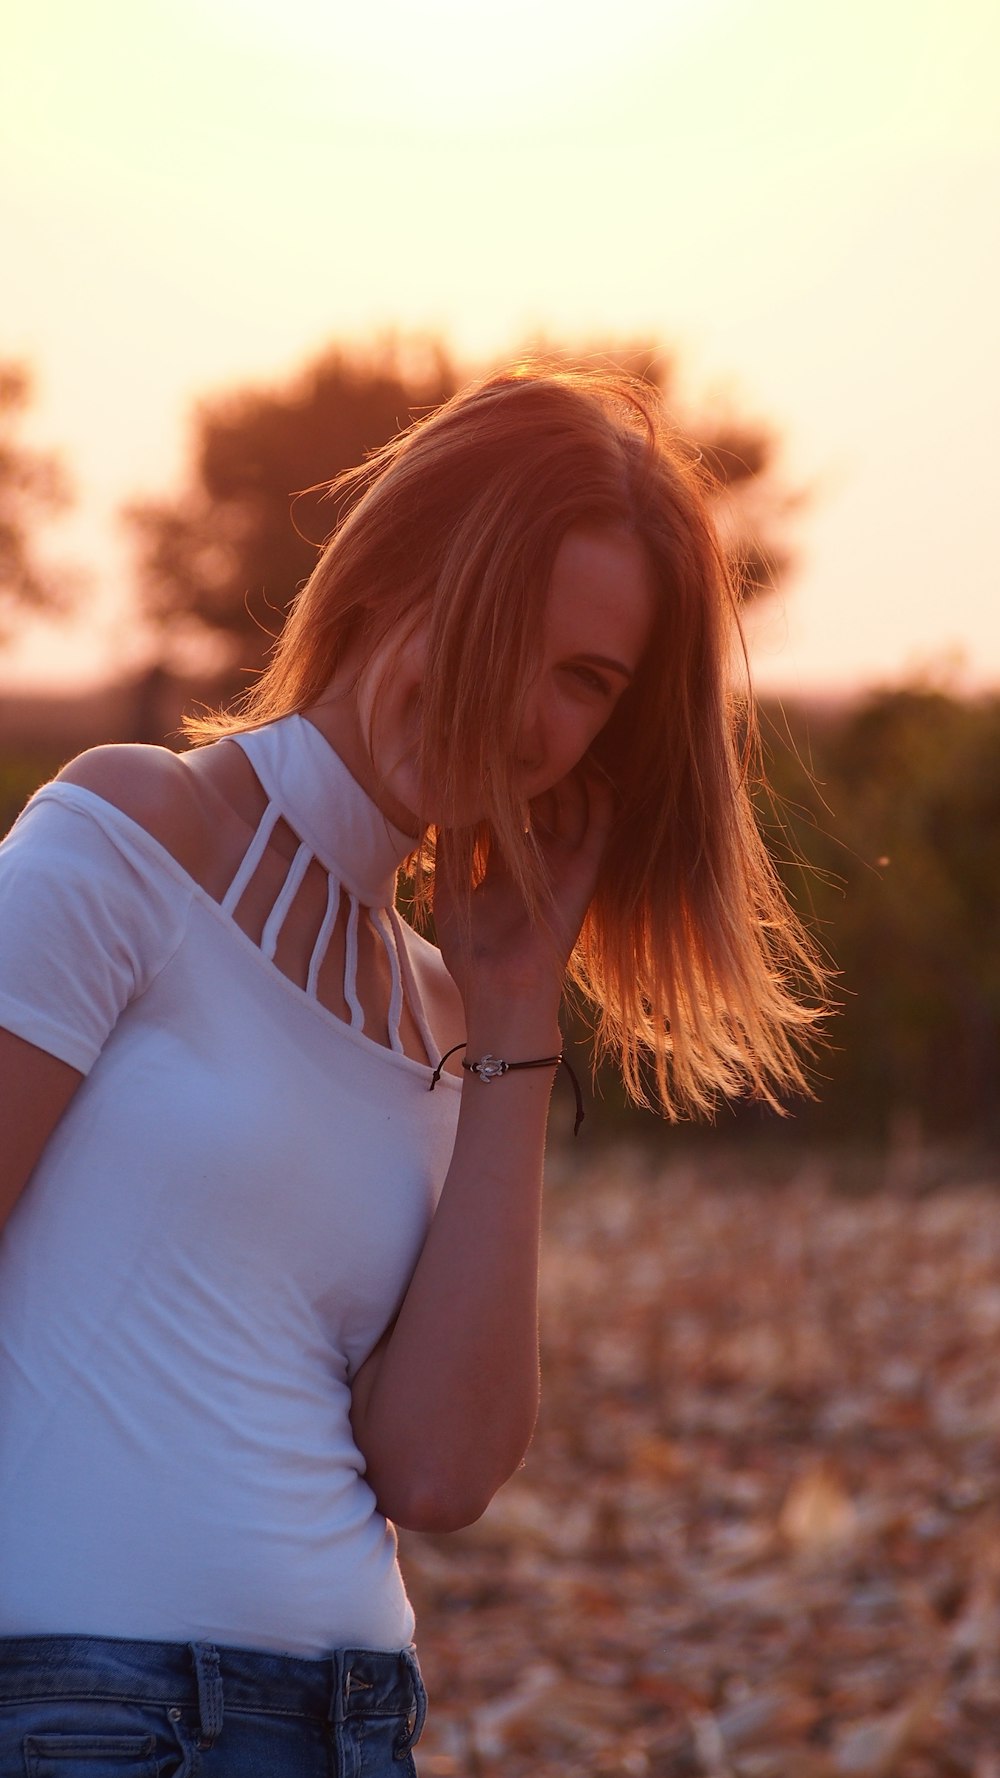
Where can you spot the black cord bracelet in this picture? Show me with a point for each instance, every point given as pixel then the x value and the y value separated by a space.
pixel 492 1067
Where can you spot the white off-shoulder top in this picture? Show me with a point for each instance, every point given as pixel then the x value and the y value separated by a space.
pixel 223 1223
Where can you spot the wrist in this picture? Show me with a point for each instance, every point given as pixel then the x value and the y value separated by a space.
pixel 534 981
pixel 512 1035
pixel 490 1066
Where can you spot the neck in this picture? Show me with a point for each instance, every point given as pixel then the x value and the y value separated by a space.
pixel 337 718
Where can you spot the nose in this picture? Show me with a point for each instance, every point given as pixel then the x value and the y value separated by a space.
pixel 530 736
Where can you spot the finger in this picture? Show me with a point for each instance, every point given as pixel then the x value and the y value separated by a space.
pixel 577 813
pixel 449 878
pixel 562 813
pixel 602 807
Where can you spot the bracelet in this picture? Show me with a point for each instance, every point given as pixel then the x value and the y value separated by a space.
pixel 492 1067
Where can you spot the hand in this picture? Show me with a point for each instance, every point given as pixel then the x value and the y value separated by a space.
pixel 499 953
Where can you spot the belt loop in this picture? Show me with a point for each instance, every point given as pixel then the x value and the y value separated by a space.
pixel 409 1660
pixel 206 1667
pixel 338 1690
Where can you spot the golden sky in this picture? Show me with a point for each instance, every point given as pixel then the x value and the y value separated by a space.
pixel 800 200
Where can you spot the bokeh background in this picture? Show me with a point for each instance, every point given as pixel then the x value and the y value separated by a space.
pixel 797 204
pixel 243 241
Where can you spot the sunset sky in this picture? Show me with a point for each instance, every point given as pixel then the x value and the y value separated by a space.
pixel 799 201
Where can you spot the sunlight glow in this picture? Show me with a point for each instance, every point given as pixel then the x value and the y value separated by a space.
pixel 455 57
pixel 200 194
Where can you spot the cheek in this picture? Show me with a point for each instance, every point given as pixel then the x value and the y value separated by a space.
pixel 389 703
pixel 571 731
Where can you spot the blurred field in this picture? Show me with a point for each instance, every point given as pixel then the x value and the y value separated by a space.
pixel 758 1532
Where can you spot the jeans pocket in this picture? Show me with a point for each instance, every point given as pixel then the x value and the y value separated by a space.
pixel 90 1756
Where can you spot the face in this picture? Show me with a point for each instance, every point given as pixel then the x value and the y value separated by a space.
pixel 598 619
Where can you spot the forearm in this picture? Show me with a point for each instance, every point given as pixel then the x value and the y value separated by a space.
pixel 448 1409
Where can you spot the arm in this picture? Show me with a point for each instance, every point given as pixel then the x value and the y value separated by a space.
pixel 445 1406
pixel 35 1089
pixel 76 940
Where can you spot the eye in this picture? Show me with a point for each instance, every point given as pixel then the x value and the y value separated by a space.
pixel 592 681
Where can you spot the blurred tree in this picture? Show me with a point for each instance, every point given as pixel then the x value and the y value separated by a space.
pixel 33 484
pixel 898 817
pixel 885 824
pixel 224 559
pixel 739 455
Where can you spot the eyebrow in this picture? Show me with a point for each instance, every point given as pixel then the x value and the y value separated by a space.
pixel 605 660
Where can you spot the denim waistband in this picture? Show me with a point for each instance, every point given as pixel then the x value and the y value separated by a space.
pixel 348 1682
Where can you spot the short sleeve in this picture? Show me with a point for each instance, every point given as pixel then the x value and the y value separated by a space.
pixel 90 911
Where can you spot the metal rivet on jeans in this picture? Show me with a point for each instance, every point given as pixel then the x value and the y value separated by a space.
pixel 173 1714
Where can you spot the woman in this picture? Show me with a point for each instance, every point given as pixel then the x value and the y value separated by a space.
pixel 267 1294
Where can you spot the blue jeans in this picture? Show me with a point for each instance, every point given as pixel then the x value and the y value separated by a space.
pixel 90 1707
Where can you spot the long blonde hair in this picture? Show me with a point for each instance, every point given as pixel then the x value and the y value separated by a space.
pixel 698 974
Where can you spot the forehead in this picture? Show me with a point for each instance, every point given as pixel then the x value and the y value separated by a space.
pixel 601 596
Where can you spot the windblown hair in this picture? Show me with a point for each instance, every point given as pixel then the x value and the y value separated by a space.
pixel 698 974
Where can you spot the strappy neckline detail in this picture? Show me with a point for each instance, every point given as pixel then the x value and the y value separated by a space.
pixel 127 832
pixel 336 824
pixel 326 807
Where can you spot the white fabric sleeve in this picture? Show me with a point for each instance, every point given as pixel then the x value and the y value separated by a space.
pixel 91 908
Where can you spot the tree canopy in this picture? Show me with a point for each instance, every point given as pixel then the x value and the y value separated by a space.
pixel 33 486
pixel 224 558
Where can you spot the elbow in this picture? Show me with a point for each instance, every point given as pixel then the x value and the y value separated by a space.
pixel 435 1510
pixel 439 1498
pixel 423 1486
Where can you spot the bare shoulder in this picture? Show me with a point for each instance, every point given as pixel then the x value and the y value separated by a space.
pixel 153 787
